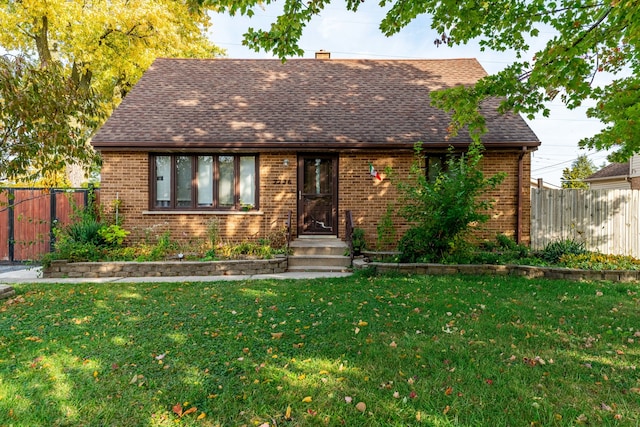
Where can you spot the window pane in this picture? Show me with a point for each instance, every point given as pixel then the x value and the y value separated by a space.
pixel 183 181
pixel 434 167
pixel 205 181
pixel 318 176
pixel 226 181
pixel 248 180
pixel 163 181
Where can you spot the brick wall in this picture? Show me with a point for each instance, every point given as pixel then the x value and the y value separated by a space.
pixel 368 198
pixel 125 176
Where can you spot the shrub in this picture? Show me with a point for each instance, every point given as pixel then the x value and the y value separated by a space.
pixel 357 240
pixel 415 246
pixel 387 236
pixel 113 234
pixel 555 250
pixel 443 210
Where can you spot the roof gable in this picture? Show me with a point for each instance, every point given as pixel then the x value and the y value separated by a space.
pixel 227 103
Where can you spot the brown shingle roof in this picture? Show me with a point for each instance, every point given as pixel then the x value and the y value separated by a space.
pixel 611 171
pixel 216 103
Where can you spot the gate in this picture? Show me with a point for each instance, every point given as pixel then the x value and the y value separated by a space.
pixel 28 216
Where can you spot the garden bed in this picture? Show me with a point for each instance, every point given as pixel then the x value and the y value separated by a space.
pixel 63 269
pixel 499 270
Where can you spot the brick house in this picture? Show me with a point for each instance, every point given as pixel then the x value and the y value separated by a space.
pixel 245 142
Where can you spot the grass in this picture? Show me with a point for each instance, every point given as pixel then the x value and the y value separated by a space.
pixel 418 350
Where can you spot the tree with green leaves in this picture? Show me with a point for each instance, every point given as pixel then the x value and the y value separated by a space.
pixel 73 61
pixel 580 169
pixel 582 39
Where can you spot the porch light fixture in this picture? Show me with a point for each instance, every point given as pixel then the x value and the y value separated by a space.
pixel 285 163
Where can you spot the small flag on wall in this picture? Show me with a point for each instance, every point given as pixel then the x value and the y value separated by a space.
pixel 374 173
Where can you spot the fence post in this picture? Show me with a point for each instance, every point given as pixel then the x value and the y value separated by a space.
pixel 53 217
pixel 11 235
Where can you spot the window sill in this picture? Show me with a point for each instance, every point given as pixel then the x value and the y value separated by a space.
pixel 178 212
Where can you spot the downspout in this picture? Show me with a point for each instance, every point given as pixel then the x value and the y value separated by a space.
pixel 520 196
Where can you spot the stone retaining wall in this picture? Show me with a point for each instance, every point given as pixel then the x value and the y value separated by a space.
pixel 63 269
pixel 501 270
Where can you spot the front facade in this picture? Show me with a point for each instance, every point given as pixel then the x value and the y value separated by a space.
pixel 245 144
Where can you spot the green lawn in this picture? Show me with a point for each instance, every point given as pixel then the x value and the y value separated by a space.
pixel 416 350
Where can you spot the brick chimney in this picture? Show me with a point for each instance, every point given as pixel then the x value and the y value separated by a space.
pixel 321 54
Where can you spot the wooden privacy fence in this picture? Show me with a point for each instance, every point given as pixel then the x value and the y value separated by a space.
pixel 27 218
pixel 607 221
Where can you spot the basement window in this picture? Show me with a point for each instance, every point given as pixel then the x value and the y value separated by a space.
pixel 204 182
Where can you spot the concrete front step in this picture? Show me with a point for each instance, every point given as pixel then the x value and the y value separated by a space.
pixel 319 261
pixel 6 291
pixel 319 254
pixel 319 246
pixel 319 269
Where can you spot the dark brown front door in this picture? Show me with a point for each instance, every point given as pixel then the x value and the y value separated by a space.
pixel 317 194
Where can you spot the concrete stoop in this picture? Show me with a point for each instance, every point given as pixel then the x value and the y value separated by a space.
pixel 6 291
pixel 322 254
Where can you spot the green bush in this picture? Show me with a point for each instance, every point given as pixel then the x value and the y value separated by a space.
pixel 358 241
pixel 444 209
pixel 556 250
pixel 113 234
pixel 415 246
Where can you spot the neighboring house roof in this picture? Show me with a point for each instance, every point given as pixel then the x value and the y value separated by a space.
pixel 265 104
pixel 611 171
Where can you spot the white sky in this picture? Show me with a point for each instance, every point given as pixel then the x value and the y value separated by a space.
pixel 356 35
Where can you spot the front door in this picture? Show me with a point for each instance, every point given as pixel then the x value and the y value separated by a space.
pixel 317 194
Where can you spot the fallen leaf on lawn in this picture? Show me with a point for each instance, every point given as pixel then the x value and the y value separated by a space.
pixel 396 395
pixel 605 407
pixel 361 406
pixel 617 417
pixel 201 416
pixel 95 374
pixel 362 323
pixel 265 425
pixel 413 394
pixel 393 344
pixel 307 399
pixel 189 411
pixel 177 409
pixel 287 413
pixel 348 399
pixel 160 356
pixel 557 417
pixel 323 372
pixel 418 416
pixel 582 419
pixel 276 335
pixel 448 391
pixel 357 331
pixel 446 409
pixel 311 412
